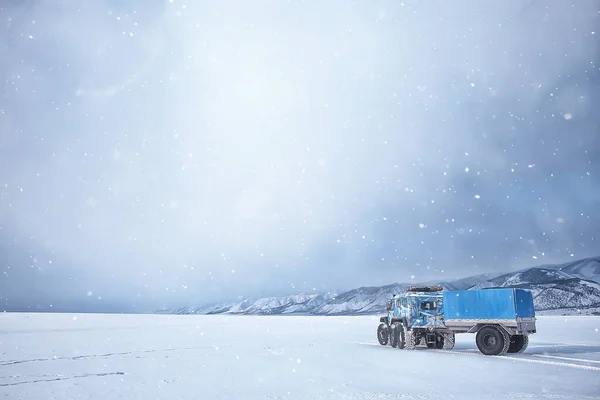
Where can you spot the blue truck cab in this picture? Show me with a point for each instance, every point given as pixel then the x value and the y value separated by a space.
pixel 501 318
pixel 417 309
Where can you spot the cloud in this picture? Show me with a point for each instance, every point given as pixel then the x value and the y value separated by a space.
pixel 168 151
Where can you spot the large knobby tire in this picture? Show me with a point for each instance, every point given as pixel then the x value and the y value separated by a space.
pixel 439 341
pixel 398 339
pixel 449 341
pixel 492 341
pixel 410 340
pixel 525 343
pixel 518 343
pixel 393 337
pixel 383 335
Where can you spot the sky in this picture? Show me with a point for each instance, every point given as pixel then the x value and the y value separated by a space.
pixel 164 153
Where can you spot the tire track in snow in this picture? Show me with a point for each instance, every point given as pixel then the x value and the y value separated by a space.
pixel 509 358
pixel 522 359
pixel 61 378
pixel 407 396
pixel 530 360
pixel 125 353
pixel 567 358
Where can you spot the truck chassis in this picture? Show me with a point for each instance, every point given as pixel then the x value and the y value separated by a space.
pixel 493 337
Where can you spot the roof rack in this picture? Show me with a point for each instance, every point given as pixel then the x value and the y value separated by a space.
pixel 423 289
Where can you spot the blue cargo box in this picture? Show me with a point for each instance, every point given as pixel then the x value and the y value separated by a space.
pixel 488 304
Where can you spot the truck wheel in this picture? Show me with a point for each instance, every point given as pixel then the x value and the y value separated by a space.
pixel 518 343
pixel 440 341
pixel 449 341
pixel 410 340
pixel 525 343
pixel 398 339
pixel 383 335
pixel 445 341
pixel 393 337
pixel 492 341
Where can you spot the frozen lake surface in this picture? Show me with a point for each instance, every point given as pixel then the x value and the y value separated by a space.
pixel 97 356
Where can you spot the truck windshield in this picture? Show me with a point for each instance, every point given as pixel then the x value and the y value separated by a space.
pixel 428 305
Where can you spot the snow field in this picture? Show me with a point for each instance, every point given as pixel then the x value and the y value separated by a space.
pixel 99 356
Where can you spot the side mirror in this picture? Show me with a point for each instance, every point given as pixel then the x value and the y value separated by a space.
pixel 388 305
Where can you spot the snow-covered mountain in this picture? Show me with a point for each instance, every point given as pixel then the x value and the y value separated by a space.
pixel 565 293
pixel 531 276
pixel 553 287
pixel 294 304
pixel 364 300
pixel 588 269
pixel 464 283
pixel 570 287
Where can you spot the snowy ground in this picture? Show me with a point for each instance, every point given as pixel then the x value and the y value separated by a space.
pixel 66 356
pixel 571 311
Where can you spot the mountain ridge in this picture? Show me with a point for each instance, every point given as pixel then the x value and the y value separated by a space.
pixel 573 286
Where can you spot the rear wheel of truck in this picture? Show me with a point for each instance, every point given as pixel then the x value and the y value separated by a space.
pixel 449 340
pixel 383 334
pixel 518 343
pixel 444 341
pixel 492 340
pixel 411 342
pixel 525 344
pixel 439 341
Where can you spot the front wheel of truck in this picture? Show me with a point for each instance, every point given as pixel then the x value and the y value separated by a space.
pixel 492 340
pixel 518 343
